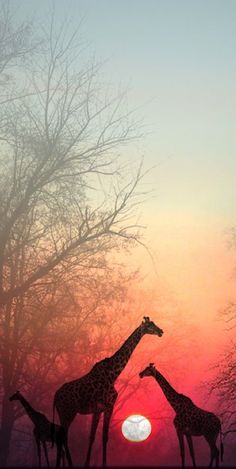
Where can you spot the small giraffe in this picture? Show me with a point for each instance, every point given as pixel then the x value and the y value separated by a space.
pixel 42 429
pixel 95 393
pixel 190 420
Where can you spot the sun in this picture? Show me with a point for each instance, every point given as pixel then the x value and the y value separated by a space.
pixel 136 428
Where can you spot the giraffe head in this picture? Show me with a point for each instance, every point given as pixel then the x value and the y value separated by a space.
pixel 15 396
pixel 148 371
pixel 149 327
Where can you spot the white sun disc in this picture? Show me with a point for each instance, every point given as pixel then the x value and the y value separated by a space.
pixel 136 428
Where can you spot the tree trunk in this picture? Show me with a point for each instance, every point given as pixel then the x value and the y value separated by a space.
pixel 6 430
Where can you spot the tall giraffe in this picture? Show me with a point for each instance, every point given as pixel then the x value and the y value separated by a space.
pixel 190 420
pixel 43 430
pixel 95 393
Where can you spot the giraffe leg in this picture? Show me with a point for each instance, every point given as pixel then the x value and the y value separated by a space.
pixel 38 444
pixel 214 455
pixel 66 418
pixel 181 446
pixel 67 451
pixel 59 453
pixel 191 449
pixel 211 440
pixel 63 457
pixel 95 420
pixel 217 456
pixel 46 452
pixel 106 423
pixel 59 437
pixel 35 454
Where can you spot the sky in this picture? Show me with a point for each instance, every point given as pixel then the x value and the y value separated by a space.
pixel 177 59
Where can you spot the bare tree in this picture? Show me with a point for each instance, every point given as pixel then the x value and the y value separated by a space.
pixel 223 384
pixel 14 39
pixel 17 46
pixel 66 203
pixel 55 145
pixel 49 334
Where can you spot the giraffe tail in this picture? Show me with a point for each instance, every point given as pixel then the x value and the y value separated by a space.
pixel 221 447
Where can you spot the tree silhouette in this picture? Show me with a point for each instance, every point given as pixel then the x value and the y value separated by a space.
pixel 224 382
pixel 66 203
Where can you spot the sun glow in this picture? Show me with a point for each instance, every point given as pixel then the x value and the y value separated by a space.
pixel 136 428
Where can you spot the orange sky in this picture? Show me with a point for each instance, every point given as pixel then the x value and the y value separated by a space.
pixel 194 274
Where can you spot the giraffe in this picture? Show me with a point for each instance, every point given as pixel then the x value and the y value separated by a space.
pixel 94 393
pixel 42 429
pixel 190 420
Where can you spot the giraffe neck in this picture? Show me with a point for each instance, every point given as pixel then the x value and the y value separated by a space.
pixel 29 409
pixel 172 396
pixel 118 361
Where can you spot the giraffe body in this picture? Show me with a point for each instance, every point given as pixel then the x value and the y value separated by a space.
pixel 43 429
pixel 196 422
pixel 95 393
pixel 190 420
pixel 86 395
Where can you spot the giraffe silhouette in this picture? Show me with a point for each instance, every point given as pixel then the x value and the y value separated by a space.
pixel 95 393
pixel 190 420
pixel 43 430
